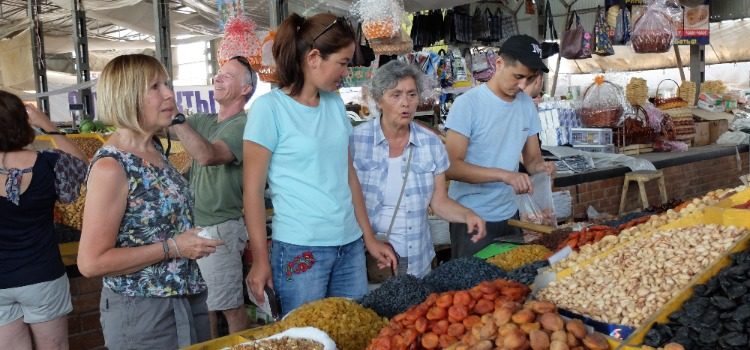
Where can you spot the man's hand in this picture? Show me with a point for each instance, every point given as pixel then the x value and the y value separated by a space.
pixel 475 226
pixel 519 181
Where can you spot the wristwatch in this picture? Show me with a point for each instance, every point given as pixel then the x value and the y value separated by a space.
pixel 52 132
pixel 178 119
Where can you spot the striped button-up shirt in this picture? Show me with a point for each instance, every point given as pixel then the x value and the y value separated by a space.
pixel 369 149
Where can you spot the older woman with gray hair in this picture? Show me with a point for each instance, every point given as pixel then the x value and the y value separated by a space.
pixel 401 166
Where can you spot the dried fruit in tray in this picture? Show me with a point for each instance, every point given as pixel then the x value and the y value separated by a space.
pixel 519 256
pixel 444 318
pixel 588 235
pixel 536 325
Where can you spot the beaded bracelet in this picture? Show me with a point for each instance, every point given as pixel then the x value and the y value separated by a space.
pixel 165 246
pixel 179 255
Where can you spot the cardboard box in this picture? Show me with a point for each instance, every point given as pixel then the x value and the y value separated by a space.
pixel 716 128
pixel 702 134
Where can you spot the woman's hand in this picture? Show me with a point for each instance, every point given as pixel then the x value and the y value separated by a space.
pixel 475 226
pixel 258 278
pixel 383 253
pixel 38 119
pixel 191 246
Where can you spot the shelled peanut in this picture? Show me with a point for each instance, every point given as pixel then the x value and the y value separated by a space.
pixel 444 318
pixel 630 284
pixel 536 326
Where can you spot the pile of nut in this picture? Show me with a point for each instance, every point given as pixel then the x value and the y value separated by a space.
pixel 443 319
pixel 590 251
pixel 283 343
pixel 629 284
pixel 536 325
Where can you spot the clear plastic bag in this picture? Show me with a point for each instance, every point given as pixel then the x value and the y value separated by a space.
pixel 655 30
pixel 538 207
pixel 380 19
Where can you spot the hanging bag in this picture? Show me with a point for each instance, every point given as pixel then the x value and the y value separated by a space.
pixel 602 44
pixel 572 38
pixel 483 65
pixel 363 54
pixel 510 26
pixel 478 24
pixel 622 29
pixel 497 26
pixel 549 24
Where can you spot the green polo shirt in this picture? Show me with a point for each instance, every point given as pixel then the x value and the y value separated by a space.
pixel 218 188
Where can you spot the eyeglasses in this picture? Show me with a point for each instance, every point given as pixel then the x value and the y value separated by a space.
pixel 341 20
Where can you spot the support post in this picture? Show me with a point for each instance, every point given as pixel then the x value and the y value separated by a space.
pixel 279 10
pixel 163 37
pixel 81 44
pixel 697 67
pixel 37 52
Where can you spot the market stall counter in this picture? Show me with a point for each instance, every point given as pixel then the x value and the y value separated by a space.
pixel 687 174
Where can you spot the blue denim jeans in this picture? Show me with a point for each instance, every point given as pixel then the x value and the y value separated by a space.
pixel 303 274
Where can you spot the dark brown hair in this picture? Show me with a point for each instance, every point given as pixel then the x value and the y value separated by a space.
pixel 297 35
pixel 15 130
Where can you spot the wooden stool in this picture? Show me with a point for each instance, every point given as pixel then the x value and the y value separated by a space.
pixel 642 177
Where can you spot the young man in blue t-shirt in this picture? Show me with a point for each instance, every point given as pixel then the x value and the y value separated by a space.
pixel 490 129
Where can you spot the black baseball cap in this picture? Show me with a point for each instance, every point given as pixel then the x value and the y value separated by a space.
pixel 526 50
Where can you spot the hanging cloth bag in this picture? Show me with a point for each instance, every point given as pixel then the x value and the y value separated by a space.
pixel 572 39
pixel 622 29
pixel 602 44
pixel 549 24
pixel 496 28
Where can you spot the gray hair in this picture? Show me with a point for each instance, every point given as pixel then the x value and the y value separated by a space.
pixel 388 76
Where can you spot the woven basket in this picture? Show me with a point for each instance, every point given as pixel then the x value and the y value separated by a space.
pixel 379 29
pixel 636 129
pixel 670 102
pixel 600 117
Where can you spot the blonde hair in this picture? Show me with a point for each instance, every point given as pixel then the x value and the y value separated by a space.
pixel 122 87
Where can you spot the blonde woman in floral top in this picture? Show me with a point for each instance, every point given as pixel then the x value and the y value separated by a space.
pixel 137 223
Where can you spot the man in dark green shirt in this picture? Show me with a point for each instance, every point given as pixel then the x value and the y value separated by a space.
pixel 214 141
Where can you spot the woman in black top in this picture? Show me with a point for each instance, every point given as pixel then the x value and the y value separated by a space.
pixel 34 290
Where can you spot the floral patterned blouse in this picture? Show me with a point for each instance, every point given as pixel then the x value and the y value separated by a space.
pixel 160 206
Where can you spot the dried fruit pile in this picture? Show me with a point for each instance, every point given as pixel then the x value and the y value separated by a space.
pixel 717 316
pixel 461 273
pixel 396 295
pixel 588 235
pixel 444 318
pixel 349 324
pixel 520 256
pixel 536 325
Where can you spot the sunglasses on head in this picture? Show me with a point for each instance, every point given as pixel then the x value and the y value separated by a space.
pixel 243 61
pixel 340 20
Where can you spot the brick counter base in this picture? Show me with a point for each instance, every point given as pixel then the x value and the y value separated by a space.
pixel 683 181
pixel 84 329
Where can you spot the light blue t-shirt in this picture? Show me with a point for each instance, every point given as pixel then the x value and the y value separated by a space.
pixel 497 131
pixel 308 170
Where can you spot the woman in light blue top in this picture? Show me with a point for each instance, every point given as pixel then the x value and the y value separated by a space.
pixel 393 154
pixel 297 137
